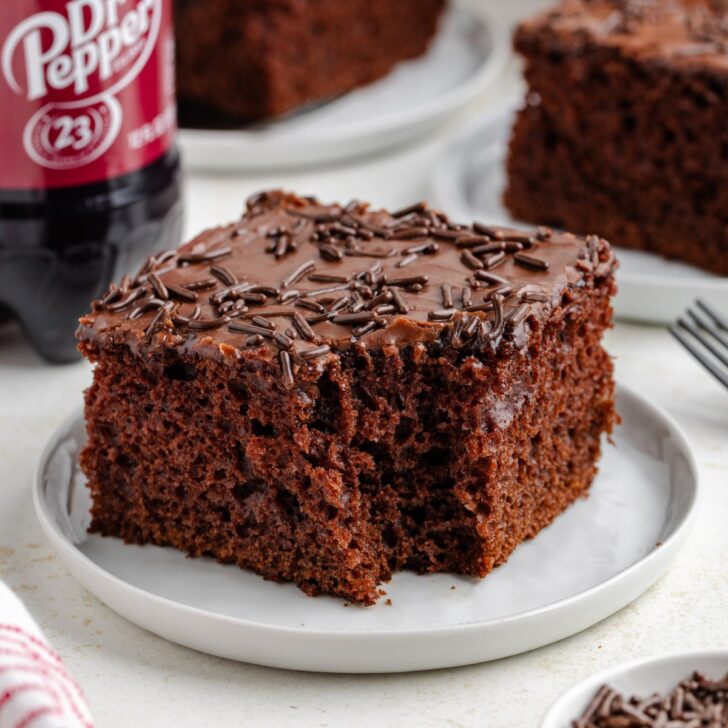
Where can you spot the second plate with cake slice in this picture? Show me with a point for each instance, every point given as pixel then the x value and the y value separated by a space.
pixel 466 55
pixel 469 180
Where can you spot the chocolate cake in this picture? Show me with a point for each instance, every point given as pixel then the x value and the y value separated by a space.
pixel 624 132
pixel 327 394
pixel 241 61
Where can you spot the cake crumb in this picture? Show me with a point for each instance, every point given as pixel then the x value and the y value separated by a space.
pixel 388 602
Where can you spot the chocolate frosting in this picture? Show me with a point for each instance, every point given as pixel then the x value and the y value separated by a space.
pixel 296 279
pixel 689 33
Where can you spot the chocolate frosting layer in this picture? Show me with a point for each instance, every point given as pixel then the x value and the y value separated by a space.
pixel 296 279
pixel 689 33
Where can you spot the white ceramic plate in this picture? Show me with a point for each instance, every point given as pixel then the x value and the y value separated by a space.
pixel 597 557
pixel 466 55
pixel 468 183
pixel 642 677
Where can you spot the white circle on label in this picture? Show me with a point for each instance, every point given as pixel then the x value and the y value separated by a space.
pixel 70 135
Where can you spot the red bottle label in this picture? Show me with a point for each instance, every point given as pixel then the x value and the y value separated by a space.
pixel 87 89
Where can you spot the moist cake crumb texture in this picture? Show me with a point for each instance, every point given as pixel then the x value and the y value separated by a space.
pixel 327 394
pixel 624 130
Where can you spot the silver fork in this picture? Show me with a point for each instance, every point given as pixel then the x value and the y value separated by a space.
pixel 704 333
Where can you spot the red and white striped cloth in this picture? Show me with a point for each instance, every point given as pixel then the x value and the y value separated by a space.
pixel 36 690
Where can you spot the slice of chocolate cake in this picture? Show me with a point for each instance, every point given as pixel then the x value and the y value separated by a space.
pixel 241 61
pixel 327 394
pixel 625 130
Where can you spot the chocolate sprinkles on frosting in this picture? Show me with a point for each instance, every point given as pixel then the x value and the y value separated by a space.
pixel 364 301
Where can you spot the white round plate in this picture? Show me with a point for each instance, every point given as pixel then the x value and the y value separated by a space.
pixel 641 677
pixel 598 556
pixel 468 182
pixel 465 56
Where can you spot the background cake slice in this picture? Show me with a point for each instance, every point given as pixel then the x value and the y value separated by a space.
pixel 327 394
pixel 241 61
pixel 624 132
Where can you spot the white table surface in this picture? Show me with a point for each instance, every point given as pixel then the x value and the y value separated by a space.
pixel 133 678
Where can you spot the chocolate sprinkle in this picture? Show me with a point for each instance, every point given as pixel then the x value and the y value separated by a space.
pixel 470 241
pixel 261 321
pixel 308 354
pixel 286 370
pixel 143 307
pixel 354 318
pixel 442 314
pixel 338 304
pixel 365 329
pixel 492 261
pixel 486 306
pixel 289 296
pixel 282 340
pixel 205 324
pixel 201 285
pixel 135 295
pixel 470 260
pixel 250 329
pixel 298 273
pixel 409 233
pixel 315 216
pixel 491 278
pixel 488 231
pixel 528 261
pixel 331 252
pixel 417 207
pixel 447 301
pixel 160 290
pixel 383 297
pixel 426 248
pixel 181 293
pixel 471 327
pixel 205 257
pixel 399 302
pixel 304 328
pixel 407 260
pixel 413 280
pixel 533 297
pixel 449 235
pixel 488 248
pixel 326 278
pixel 310 305
pixel 224 275
pixel 157 320
pixel 518 315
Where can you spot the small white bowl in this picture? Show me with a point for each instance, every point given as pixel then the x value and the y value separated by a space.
pixel 640 677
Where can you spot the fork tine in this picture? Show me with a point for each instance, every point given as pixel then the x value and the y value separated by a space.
pixel 707 343
pixel 717 319
pixel 710 366
pixel 719 336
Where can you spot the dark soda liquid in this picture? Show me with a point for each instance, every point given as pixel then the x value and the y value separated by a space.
pixel 61 248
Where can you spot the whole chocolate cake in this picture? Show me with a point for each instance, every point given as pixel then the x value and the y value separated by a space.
pixel 327 394
pixel 245 60
pixel 624 132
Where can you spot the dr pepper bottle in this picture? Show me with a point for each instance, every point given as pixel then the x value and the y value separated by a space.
pixel 89 174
